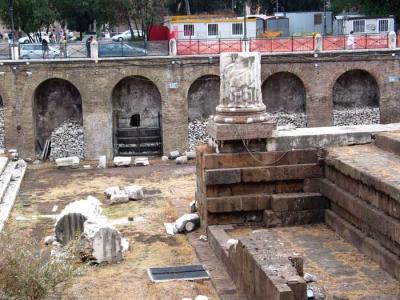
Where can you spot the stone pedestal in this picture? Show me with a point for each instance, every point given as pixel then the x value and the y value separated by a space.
pixel 241 117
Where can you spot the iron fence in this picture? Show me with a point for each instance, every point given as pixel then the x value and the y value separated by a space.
pixel 193 47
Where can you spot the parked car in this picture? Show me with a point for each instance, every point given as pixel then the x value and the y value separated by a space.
pixel 35 36
pixel 126 35
pixel 119 50
pixel 34 51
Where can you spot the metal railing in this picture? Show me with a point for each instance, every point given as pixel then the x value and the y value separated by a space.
pixel 198 47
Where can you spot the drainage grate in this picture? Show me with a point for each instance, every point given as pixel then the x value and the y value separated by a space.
pixel 191 272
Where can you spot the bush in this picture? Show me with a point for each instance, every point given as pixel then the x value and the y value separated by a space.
pixel 28 272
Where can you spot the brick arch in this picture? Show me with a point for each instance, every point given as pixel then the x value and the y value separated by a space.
pixel 52 105
pixel 188 82
pixel 338 73
pixel 137 95
pixel 203 96
pixel 117 79
pixel 284 91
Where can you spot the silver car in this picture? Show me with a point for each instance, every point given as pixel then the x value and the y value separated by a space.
pixel 35 51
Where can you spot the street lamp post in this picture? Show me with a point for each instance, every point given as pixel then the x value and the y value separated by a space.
pixel 325 17
pixel 11 10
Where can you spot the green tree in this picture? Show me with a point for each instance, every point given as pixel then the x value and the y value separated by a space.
pixel 29 15
pixel 368 7
pixel 80 15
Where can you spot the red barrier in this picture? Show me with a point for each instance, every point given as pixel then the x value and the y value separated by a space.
pixel 291 44
pixel 380 41
pixel 195 47
pixel 333 43
pixel 303 43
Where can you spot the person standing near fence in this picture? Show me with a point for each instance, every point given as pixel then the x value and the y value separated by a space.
pixel 88 43
pixel 45 48
pixel 63 47
pixel 350 41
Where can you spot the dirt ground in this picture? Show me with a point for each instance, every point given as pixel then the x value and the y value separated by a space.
pixel 45 186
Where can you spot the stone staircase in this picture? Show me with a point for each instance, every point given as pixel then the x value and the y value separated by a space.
pixel 12 174
pixel 363 186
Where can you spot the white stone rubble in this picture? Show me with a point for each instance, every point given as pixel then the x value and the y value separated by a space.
pixel 297 120
pixel 197 133
pixel 111 191
pixel 356 116
pixel 182 222
pixel 134 192
pixel 122 161
pixel 120 197
pixel 174 154
pixel 67 140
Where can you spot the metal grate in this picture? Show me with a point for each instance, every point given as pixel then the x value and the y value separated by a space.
pixel 190 272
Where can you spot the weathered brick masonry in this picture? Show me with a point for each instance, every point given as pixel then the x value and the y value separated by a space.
pixel 95 81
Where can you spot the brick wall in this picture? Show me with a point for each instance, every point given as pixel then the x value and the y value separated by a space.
pixel 96 80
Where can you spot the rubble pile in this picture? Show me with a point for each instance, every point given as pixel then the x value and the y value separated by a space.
pixel 2 133
pixel 297 120
pixel 67 140
pixel 356 116
pixel 197 133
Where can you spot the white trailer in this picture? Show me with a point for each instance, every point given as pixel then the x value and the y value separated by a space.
pixel 307 23
pixel 359 24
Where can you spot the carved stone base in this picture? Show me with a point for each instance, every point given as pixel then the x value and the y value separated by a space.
pixel 232 132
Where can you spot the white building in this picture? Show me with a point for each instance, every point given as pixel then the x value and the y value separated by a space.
pixel 214 27
pixel 306 23
pixel 359 24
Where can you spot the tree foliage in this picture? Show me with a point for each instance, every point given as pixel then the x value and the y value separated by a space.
pixel 29 15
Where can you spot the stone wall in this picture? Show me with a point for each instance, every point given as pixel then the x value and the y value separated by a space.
pixel 173 76
pixel 203 97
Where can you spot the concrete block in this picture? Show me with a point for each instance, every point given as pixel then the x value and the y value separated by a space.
pixel 72 161
pixel 141 161
pixel 102 162
pixel 122 161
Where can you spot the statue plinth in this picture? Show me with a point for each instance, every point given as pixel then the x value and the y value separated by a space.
pixel 241 115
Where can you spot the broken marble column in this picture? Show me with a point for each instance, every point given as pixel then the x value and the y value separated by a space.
pixel 69 223
pixel 101 242
pixel 241 121
pixel 134 192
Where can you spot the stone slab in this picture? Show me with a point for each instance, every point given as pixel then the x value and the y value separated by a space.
pixel 292 218
pixel 298 202
pixel 388 261
pixel 388 141
pixel 222 176
pixel 231 132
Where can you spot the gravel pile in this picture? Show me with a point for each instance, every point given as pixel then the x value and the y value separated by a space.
pixel 356 116
pixel 2 131
pixel 297 120
pixel 197 133
pixel 67 140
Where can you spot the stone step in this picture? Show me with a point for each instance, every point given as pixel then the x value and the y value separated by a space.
pixel 389 141
pixel 3 163
pixel 371 220
pixel 292 218
pixel 298 202
pixel 370 247
pixel 363 191
pixel 369 165
pixel 11 191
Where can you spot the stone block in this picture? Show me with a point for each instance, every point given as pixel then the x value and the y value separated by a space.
pixel 238 203
pixel 102 162
pixel 72 161
pixel 141 161
pixel 111 191
pixel 181 160
pixel 293 218
pixel 117 198
pixel 298 202
pixel 231 132
pixel 122 161
pixel 222 176
pixel 134 192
